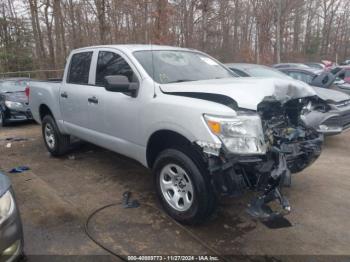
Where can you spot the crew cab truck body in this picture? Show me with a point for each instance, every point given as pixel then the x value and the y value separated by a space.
pixel 181 113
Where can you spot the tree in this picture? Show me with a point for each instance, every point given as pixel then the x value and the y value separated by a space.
pixel 263 31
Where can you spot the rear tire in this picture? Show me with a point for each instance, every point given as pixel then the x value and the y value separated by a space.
pixel 3 120
pixel 56 143
pixel 183 186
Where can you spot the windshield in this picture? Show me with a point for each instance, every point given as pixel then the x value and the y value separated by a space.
pixel 265 72
pixel 180 66
pixel 12 86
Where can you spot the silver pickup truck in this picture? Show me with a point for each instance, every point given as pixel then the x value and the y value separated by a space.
pixel 203 132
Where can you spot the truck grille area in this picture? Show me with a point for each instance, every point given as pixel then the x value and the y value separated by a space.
pixel 286 134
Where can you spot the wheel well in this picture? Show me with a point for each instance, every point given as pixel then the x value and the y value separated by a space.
pixel 44 110
pixel 162 140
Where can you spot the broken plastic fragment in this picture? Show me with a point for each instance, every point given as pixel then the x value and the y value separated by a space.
pixel 210 148
pixel 19 169
pixel 127 203
pixel 71 157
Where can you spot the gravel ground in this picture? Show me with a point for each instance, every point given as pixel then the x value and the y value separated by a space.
pixel 56 196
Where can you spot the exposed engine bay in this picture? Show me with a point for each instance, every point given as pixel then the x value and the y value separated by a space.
pixel 291 147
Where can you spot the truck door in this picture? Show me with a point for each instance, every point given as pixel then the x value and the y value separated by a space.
pixel 74 94
pixel 115 117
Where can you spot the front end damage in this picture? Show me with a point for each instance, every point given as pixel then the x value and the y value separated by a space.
pixel 290 147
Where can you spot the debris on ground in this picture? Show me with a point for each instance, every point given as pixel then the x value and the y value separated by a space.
pixel 7 141
pixel 277 223
pixel 14 139
pixel 127 203
pixel 246 225
pixel 19 169
pixel 71 157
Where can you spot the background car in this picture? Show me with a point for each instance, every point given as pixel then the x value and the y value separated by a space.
pixel 315 65
pixel 343 72
pixel 331 119
pixel 287 65
pixel 320 79
pixel 310 76
pixel 11 232
pixel 14 103
pixel 346 62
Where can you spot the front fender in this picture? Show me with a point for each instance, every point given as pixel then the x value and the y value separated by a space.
pixel 182 115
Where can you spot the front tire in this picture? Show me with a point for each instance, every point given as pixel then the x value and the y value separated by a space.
pixel 183 187
pixel 56 143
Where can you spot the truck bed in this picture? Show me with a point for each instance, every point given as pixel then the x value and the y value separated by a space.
pixel 44 92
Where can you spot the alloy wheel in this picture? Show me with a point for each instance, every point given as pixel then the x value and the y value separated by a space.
pixel 49 136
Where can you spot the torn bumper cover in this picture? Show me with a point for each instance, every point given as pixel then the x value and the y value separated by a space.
pixel 290 147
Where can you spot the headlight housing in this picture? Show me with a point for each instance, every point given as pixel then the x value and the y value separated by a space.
pixel 320 106
pixel 13 105
pixel 242 134
pixel 7 206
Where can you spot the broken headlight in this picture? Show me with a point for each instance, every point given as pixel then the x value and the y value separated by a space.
pixel 320 106
pixel 307 108
pixel 7 206
pixel 242 134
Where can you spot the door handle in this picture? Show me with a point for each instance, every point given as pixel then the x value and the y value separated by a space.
pixel 93 100
pixel 64 95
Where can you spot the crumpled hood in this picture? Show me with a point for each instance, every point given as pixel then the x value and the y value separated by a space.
pixel 247 92
pixel 331 96
pixel 4 184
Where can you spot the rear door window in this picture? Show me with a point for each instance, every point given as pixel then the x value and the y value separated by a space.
pixel 79 68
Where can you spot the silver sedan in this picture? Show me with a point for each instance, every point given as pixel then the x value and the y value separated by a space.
pixel 329 115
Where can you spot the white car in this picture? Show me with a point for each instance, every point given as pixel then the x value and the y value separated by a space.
pixel 181 113
pixel 11 232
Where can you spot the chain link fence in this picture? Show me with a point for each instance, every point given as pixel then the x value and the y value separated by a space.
pixel 35 74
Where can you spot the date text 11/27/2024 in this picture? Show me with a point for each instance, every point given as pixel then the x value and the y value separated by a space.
pixel 173 258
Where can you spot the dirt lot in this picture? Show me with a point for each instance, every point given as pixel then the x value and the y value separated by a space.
pixel 56 196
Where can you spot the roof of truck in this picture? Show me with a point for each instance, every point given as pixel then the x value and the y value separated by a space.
pixel 136 47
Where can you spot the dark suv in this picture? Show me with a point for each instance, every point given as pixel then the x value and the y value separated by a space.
pixel 14 105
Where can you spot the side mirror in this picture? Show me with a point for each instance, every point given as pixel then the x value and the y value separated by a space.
pixel 120 83
pixel 324 80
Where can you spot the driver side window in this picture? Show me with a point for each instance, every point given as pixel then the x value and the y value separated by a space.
pixel 108 64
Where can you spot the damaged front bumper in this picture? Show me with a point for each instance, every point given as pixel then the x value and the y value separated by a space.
pixel 232 175
pixel 291 147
